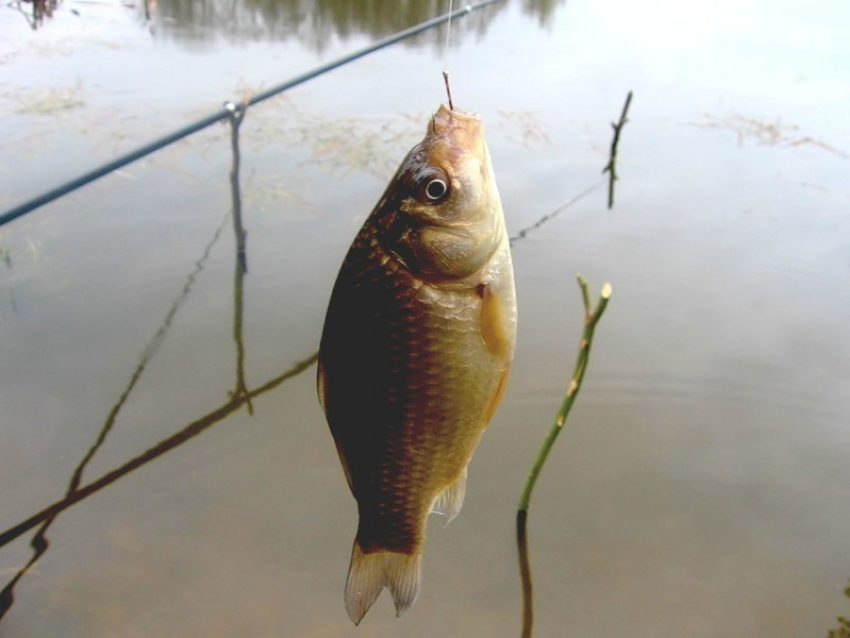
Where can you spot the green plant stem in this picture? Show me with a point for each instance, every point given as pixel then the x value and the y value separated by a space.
pixel 592 316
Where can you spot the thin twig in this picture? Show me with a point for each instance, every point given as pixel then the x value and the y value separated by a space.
pixel 611 166
pixel 591 318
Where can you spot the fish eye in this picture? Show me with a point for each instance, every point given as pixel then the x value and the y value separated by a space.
pixel 435 189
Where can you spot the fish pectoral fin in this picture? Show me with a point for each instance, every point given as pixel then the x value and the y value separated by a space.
pixel 495 325
pixel 321 385
pixel 368 574
pixel 450 502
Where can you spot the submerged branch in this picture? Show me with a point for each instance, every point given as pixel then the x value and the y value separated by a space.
pixel 591 318
pixel 611 166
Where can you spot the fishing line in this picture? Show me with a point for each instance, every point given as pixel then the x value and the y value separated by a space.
pixel 448 38
pixel 446 56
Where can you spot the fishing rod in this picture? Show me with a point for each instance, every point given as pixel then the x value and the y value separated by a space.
pixel 226 111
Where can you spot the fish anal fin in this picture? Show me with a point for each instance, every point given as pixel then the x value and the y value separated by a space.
pixel 368 574
pixel 495 324
pixel 450 502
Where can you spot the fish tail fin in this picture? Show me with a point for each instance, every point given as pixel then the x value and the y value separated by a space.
pixel 370 573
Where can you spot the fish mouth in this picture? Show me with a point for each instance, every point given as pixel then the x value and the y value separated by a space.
pixel 462 131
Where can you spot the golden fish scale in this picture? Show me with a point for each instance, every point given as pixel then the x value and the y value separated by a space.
pixel 411 382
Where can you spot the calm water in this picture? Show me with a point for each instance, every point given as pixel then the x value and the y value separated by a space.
pixel 701 487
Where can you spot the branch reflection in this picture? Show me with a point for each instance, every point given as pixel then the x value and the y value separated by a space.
pixel 239 397
pixel 523 233
pixel 40 543
pixel 40 10
pixel 166 445
pixel 237 114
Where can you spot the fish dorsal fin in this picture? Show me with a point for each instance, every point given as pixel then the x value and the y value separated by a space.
pixel 450 502
pixel 368 574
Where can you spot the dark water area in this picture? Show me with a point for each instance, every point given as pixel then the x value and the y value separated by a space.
pixel 700 487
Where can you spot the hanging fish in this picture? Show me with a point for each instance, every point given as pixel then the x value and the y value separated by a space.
pixel 417 343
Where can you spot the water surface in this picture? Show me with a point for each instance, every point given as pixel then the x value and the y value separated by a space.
pixel 700 488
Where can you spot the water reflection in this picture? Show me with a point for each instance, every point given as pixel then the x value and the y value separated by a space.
pixel 237 114
pixel 241 395
pixel 39 543
pixel 35 11
pixel 316 22
pixel 523 233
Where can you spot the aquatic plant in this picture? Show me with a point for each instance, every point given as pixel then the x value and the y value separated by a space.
pixel 843 629
pixel 51 101
pixel 764 131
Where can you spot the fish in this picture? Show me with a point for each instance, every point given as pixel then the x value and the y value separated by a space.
pixel 416 349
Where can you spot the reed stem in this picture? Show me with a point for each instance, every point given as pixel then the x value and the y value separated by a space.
pixel 591 318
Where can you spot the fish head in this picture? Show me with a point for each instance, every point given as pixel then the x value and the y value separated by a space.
pixel 445 210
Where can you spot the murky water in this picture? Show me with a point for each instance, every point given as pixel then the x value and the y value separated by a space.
pixel 700 488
